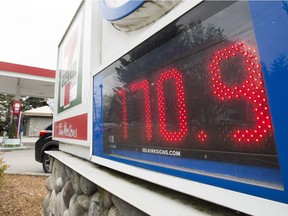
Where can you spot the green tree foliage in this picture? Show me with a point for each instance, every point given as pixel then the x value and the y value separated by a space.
pixel 6 103
pixel 12 130
pixel 32 102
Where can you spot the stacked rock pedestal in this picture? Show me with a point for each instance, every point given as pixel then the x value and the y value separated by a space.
pixel 70 194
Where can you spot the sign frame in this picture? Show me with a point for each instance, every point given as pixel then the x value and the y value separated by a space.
pixel 210 188
pixel 70 64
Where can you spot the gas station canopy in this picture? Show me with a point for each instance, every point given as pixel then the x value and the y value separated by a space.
pixel 21 80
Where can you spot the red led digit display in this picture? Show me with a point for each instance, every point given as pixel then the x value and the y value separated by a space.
pixel 179 135
pixel 145 86
pixel 122 94
pixel 205 112
pixel 252 88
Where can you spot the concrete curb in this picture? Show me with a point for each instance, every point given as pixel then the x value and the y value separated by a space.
pixel 8 149
pixel 26 173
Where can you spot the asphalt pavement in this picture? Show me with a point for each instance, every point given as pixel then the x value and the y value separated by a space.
pixel 22 160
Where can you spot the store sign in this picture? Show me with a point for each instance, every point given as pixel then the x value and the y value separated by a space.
pixel 203 99
pixel 16 108
pixel 16 116
pixel 70 66
pixel 72 128
pixel 12 142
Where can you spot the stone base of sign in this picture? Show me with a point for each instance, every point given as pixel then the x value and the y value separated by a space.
pixel 69 193
pixel 79 187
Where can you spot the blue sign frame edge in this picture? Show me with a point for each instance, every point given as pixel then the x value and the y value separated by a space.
pixel 117 13
pixel 276 91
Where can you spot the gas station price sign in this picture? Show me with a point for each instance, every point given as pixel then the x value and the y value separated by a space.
pixel 192 101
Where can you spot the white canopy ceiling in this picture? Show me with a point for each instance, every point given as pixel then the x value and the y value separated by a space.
pixel 21 80
pixel 40 111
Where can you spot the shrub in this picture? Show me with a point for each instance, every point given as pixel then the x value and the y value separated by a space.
pixel 12 133
pixel 3 167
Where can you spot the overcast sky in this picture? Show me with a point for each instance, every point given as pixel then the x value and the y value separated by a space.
pixel 30 30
